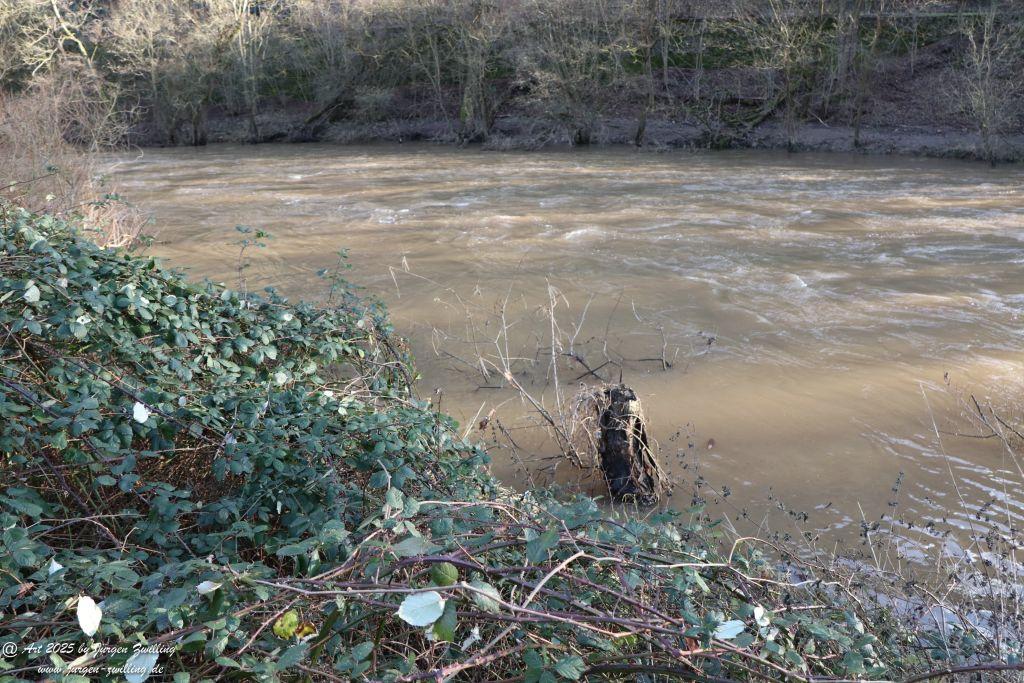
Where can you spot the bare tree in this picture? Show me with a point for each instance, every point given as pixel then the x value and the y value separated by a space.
pixel 789 37
pixel 649 18
pixel 49 133
pixel 864 61
pixel 480 29
pixel 428 46
pixel 20 24
pixel 725 65
pixel 326 45
pixel 246 26
pixel 573 60
pixel 989 76
pixel 166 53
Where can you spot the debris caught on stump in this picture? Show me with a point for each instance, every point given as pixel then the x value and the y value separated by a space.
pixel 623 447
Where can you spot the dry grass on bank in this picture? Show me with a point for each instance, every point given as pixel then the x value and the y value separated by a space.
pixel 49 137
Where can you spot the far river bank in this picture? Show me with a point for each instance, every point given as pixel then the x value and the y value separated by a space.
pixel 520 133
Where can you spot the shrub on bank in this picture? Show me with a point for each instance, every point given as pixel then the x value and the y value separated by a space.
pixel 201 484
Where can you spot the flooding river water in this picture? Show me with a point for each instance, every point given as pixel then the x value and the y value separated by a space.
pixel 825 317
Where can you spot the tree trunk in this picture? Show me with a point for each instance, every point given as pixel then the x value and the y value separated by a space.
pixel 863 71
pixel 627 461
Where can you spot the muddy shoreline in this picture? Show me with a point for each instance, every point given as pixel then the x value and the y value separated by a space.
pixel 524 133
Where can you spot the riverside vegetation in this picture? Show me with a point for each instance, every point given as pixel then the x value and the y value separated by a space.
pixel 528 73
pixel 241 487
pixel 248 488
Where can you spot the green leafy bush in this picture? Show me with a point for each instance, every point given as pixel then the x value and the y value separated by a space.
pixel 200 484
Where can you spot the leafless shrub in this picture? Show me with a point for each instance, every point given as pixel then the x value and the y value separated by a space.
pixel 574 58
pixel 169 58
pixel 789 39
pixel 49 135
pixel 989 80
pixel 327 40
pixel 373 104
pixel 546 366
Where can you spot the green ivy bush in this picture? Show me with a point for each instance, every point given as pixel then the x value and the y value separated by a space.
pixel 200 484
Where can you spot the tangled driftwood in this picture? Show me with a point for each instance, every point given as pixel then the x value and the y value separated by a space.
pixel 613 430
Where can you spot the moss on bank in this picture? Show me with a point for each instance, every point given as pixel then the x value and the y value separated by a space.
pixel 250 489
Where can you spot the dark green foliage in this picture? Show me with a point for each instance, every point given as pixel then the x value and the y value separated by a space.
pixel 250 486
pixel 239 459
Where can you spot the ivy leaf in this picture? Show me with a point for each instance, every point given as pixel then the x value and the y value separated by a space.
pixel 537 549
pixel 421 609
pixel 413 546
pixel 31 294
pixel 394 498
pixel 485 596
pixel 444 628
pixel 444 573
pixel 853 663
pixel 699 580
pixel 571 668
pixel 25 507
pixel 293 549
pixel 286 624
pixel 292 656
pixel 334 532
pixel 362 650
pixel 728 630
pixel 533 660
pixel 140 665
pixel 89 615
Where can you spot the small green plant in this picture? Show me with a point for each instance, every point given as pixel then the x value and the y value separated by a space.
pixel 251 237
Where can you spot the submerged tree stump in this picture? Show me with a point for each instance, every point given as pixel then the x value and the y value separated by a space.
pixel 624 453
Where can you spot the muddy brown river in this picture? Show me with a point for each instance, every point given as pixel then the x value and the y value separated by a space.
pixel 823 320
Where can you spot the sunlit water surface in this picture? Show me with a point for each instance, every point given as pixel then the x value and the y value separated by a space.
pixel 819 311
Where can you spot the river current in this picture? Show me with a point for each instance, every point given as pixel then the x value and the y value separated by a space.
pixel 824 321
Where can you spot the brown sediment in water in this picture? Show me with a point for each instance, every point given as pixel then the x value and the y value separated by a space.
pixel 838 290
